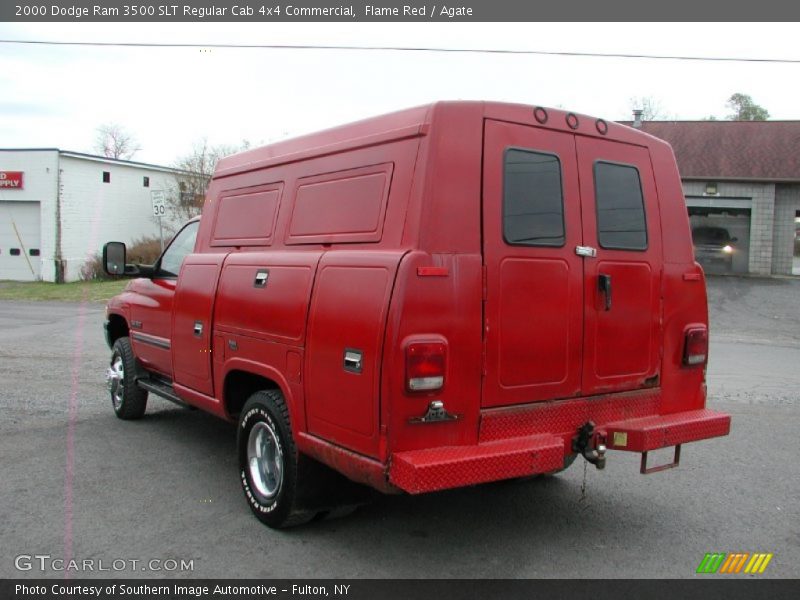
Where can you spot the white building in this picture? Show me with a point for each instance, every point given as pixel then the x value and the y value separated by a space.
pixel 57 208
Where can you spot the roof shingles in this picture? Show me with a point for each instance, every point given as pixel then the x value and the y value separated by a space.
pixel 751 150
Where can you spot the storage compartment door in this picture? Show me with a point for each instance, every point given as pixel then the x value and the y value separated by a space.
pixel 345 345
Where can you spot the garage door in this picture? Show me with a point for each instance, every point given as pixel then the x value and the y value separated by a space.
pixel 20 238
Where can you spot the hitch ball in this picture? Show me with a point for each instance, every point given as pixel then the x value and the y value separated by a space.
pixel 590 445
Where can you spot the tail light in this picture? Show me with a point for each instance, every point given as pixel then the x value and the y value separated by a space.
pixel 695 347
pixel 425 366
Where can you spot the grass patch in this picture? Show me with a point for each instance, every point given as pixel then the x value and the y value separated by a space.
pixel 93 291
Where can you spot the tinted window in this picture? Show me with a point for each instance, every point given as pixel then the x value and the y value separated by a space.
pixel 620 207
pixel 181 246
pixel 533 207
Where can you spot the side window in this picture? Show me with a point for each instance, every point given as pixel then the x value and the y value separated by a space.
pixel 621 220
pixel 182 244
pixel 533 204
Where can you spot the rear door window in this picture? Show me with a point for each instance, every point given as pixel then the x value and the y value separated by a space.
pixel 621 221
pixel 533 205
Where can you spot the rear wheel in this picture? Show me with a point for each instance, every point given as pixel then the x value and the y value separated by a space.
pixel 127 398
pixel 567 464
pixel 269 463
pixel 283 487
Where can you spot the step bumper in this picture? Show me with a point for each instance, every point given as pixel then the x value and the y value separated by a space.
pixel 662 431
pixel 434 469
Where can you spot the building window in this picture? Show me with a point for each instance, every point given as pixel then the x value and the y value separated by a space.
pixel 533 206
pixel 14 251
pixel 33 252
pixel 106 177
pixel 146 181
pixel 621 221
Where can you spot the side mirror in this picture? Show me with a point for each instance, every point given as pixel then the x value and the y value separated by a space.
pixel 114 258
pixel 733 239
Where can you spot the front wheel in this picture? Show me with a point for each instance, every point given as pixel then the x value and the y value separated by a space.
pixel 127 398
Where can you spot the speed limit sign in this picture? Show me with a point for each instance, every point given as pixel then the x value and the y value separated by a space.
pixel 159 203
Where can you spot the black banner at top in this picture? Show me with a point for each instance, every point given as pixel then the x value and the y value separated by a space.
pixel 243 11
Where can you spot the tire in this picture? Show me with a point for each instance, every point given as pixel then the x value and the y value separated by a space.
pixel 567 464
pixel 270 468
pixel 128 399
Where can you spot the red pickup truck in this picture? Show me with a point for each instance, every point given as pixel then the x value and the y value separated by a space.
pixel 444 296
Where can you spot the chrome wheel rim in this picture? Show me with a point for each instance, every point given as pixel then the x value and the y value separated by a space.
pixel 265 460
pixel 115 381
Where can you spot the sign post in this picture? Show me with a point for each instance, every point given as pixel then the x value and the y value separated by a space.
pixel 159 199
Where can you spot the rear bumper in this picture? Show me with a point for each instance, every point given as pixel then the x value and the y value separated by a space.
pixel 433 469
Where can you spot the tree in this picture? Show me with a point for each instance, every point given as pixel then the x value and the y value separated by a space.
pixel 744 109
pixel 113 141
pixel 651 108
pixel 196 168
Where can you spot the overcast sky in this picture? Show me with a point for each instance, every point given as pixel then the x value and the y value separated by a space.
pixel 53 96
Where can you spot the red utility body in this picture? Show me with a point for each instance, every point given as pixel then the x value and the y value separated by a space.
pixel 444 296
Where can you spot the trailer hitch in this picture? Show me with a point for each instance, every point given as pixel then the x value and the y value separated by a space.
pixel 591 445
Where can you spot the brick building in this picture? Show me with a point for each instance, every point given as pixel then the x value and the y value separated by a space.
pixel 57 208
pixel 744 177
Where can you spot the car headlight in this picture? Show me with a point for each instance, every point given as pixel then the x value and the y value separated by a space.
pixel 727 249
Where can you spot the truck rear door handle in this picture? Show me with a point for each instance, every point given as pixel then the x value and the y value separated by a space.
pixel 604 285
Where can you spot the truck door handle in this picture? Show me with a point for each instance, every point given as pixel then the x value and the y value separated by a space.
pixel 353 360
pixel 198 328
pixel 261 278
pixel 604 285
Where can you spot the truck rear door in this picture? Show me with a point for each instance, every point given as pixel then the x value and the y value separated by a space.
pixel 621 222
pixel 534 280
pixel 572 253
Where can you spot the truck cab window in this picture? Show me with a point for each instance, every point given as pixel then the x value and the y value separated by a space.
pixel 182 244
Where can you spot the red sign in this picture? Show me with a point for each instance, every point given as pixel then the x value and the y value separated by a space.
pixel 11 180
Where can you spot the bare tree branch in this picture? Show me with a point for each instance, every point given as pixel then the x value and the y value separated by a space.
pixel 113 141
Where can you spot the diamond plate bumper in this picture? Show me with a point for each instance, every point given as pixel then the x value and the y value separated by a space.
pixel 660 431
pixel 433 469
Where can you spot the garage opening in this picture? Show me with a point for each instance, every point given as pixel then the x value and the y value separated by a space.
pixel 721 238
pixel 20 232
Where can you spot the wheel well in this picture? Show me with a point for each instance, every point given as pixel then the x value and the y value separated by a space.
pixel 117 328
pixel 239 386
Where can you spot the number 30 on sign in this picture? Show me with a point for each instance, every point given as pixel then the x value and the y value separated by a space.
pixel 159 203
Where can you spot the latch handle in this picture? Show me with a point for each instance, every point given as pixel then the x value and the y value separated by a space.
pixel 604 283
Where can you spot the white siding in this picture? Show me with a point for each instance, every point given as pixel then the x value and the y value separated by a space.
pixel 94 212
